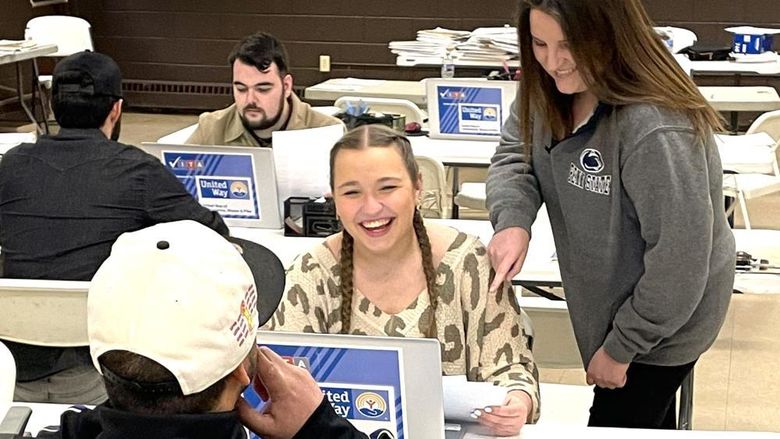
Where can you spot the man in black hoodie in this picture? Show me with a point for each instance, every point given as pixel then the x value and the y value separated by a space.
pixel 172 317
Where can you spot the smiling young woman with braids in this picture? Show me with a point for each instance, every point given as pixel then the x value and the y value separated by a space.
pixel 389 274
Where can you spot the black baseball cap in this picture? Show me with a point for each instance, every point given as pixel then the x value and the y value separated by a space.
pixel 87 74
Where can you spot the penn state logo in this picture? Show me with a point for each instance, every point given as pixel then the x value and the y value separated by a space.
pixel 371 404
pixel 591 160
pixel 382 434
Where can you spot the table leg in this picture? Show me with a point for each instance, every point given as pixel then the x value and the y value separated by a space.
pixel 455 189
pixel 20 94
pixel 36 85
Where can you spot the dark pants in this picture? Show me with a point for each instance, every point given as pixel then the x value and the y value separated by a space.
pixel 648 400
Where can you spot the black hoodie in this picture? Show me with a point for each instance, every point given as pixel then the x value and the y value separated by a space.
pixel 105 422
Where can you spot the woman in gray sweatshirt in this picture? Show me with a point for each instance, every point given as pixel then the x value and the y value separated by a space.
pixel 617 141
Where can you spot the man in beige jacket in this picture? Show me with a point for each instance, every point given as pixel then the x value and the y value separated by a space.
pixel 264 99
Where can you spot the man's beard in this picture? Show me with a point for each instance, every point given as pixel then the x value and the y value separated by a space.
pixel 263 124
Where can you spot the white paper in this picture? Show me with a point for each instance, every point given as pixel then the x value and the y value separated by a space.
pixel 462 397
pixel 301 159
pixel 349 84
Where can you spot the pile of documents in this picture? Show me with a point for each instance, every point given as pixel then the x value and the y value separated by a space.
pixel 489 45
pixel 15 45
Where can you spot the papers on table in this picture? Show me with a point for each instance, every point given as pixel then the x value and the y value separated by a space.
pixel 461 397
pixel 348 84
pixel 489 45
pixel 758 57
pixel 16 45
pixel 301 158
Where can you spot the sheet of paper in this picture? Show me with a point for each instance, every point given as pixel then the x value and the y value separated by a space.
pixel 301 159
pixel 348 84
pixel 461 397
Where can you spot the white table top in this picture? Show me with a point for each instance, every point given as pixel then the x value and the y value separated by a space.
pixel 548 431
pixel 335 88
pixel 413 61
pixel 747 153
pixel 742 98
pixel 455 152
pixel 477 153
pixel 759 68
pixel 44 415
pixel 7 57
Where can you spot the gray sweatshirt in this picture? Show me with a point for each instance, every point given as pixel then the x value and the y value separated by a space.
pixel 636 207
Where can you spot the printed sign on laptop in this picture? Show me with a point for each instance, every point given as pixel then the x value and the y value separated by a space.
pixel 468 109
pixel 222 182
pixel 236 181
pixel 387 387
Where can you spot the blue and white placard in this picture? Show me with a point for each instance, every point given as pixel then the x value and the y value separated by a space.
pixel 470 110
pixel 224 183
pixel 362 384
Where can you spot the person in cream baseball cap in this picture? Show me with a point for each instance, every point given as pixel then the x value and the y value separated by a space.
pixel 172 316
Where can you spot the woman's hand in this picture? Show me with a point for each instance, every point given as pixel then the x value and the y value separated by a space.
pixel 506 419
pixel 507 250
pixel 606 372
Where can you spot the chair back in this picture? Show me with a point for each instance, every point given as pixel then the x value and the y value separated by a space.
pixel 554 344
pixel 409 109
pixel 44 312
pixel 768 122
pixel 70 34
pixel 433 199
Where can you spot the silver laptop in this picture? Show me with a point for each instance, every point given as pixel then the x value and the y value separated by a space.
pixel 388 387
pixel 468 109
pixel 239 182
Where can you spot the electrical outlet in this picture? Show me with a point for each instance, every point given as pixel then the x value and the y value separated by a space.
pixel 324 63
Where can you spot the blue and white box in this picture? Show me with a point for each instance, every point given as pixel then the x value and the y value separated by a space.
pixel 750 40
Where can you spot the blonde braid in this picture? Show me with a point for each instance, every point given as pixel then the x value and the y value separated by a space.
pixel 430 272
pixel 347 269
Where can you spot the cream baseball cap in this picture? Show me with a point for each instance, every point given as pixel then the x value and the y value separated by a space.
pixel 184 296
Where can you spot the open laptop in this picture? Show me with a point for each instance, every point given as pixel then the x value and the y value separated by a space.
pixel 388 387
pixel 468 109
pixel 239 182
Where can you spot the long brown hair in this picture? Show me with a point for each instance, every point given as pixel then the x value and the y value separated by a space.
pixel 380 136
pixel 620 58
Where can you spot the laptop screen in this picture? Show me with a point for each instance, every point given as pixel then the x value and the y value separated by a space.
pixel 468 109
pixel 387 387
pixel 238 182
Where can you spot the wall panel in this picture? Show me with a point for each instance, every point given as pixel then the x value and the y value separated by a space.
pixel 189 40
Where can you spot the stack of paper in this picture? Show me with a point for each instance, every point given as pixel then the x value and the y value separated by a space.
pixel 15 45
pixel 431 43
pixel 489 45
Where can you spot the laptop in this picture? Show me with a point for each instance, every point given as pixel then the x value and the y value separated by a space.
pixel 387 387
pixel 468 109
pixel 239 182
